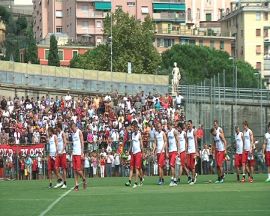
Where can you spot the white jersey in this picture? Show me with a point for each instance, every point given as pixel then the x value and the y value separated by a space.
pixel 136 145
pixel 182 141
pixel 60 146
pixel 239 143
pixel 219 143
pixel 52 146
pixel 160 141
pixel 267 138
pixel 219 129
pixel 77 148
pixel 172 141
pixel 247 140
pixel 191 148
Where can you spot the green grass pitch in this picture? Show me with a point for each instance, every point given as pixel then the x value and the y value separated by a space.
pixel 109 196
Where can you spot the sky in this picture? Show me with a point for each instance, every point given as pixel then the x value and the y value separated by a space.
pixel 23 2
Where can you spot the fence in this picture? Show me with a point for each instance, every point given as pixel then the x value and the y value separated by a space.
pixel 48 78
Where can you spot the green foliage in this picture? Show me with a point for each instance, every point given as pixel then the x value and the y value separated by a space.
pixel 31 52
pixel 4 14
pixel 132 42
pixel 53 58
pixel 21 24
pixel 199 63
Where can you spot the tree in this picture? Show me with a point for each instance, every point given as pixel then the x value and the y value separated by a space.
pixel 4 14
pixel 53 58
pixel 21 24
pixel 132 41
pixel 31 52
pixel 199 63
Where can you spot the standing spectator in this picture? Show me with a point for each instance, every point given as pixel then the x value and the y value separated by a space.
pixel 205 159
pixel 178 101
pixel 102 163
pixel 87 165
pixel 116 163
pixel 200 135
pixel 1 167
pixel 35 168
pixel 28 167
pixel 40 166
pixel 109 161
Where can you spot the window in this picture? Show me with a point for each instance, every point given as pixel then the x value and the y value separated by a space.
pixel 258 66
pixel 131 4
pixel 74 53
pixel 258 32
pixel 189 14
pixel 59 14
pixel 46 54
pixel 119 6
pixel 258 16
pixel 98 24
pixel 265 16
pixel 192 42
pixel 208 17
pixel 61 55
pixel 59 29
pixel 258 49
pixel 201 42
pixel 212 43
pixel 85 24
pixel 99 41
pixel 145 10
pixel 265 32
pixel 221 45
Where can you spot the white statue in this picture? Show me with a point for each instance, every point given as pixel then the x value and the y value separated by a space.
pixel 176 78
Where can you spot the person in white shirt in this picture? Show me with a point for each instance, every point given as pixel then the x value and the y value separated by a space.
pixel 248 150
pixel 172 151
pixel 205 159
pixel 116 163
pixel 178 101
pixel 109 162
pixel 77 156
pixel 239 144
pixel 136 148
pixel 266 150
pixel 159 148
pixel 219 142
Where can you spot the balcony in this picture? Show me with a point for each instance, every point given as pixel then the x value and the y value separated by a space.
pixel 169 6
pixel 169 1
pixel 103 5
pixel 267 63
pixel 89 31
pixel 173 17
pixel 91 15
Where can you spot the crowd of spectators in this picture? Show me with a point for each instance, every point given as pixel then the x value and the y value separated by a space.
pixel 105 123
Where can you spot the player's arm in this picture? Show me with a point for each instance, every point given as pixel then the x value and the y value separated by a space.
pixel 186 142
pixel 64 141
pixel 196 141
pixel 155 145
pixel 165 146
pixel 221 135
pixel 56 143
pixel 141 142
pixel 252 140
pixel 82 143
pixel 177 140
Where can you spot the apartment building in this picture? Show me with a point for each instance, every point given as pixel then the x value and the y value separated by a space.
pixel 249 23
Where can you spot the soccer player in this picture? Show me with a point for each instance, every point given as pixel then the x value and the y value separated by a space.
pixel 192 149
pixel 77 155
pixel 239 151
pixel 266 149
pixel 182 151
pixel 159 149
pixel 216 126
pixel 61 159
pixel 52 155
pixel 248 146
pixel 173 149
pixel 220 151
pixel 136 156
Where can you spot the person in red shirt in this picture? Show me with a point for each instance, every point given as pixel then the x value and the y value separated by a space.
pixel 200 135
pixel 35 168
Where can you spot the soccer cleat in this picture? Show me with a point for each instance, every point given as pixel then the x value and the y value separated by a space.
pixel 192 183
pixel 160 183
pixel 221 181
pixel 243 179
pixel 217 182
pixel 135 185
pixel 250 179
pixel 189 179
pixel 64 186
pixel 141 182
pixel 195 179
pixel 267 180
pixel 84 184
pixel 174 184
pixel 76 188
pixel 59 184
pixel 50 186
pixel 128 184
pixel 171 184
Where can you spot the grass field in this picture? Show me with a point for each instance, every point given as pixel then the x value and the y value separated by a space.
pixel 109 196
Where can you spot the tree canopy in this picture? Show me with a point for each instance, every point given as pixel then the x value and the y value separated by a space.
pixel 199 63
pixel 53 58
pixel 132 41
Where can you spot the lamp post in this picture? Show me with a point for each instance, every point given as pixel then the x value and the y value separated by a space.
pixel 235 86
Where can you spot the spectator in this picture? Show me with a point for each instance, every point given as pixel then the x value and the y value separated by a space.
pixel 205 153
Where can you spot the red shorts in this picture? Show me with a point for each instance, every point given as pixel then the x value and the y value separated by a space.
pixel 136 160
pixel 245 157
pixel 161 159
pixel 183 158
pixel 238 160
pixel 51 163
pixel 251 163
pixel 267 158
pixel 61 161
pixel 77 162
pixel 220 157
pixel 172 158
pixel 191 161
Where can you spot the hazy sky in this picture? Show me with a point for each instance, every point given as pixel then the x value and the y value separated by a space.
pixel 23 2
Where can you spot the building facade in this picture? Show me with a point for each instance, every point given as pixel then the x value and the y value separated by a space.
pixel 249 23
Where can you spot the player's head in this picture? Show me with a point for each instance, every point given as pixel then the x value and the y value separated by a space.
pixel 135 126
pixel 237 129
pixel 170 125
pixel 73 127
pixel 159 127
pixel 215 124
pixel 50 131
pixel 180 126
pixel 189 124
pixel 245 124
pixel 213 131
pixel 59 126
